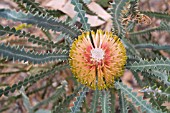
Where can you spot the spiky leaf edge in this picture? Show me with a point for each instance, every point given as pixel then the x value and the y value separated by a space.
pixel 31 38
pixel 79 100
pixel 43 22
pixel 135 99
pixel 17 53
pixel 31 79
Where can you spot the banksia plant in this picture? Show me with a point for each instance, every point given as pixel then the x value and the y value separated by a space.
pixel 97 64
pixel 96 59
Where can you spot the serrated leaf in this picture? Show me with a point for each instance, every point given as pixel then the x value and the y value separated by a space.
pixel 94 103
pixel 137 78
pixel 129 46
pixel 135 99
pixel 31 6
pixel 44 22
pixel 31 38
pixel 13 88
pixel 164 26
pixel 62 106
pixel 112 100
pixel 152 46
pixel 158 64
pixel 79 100
pixel 31 80
pixel 81 14
pixel 122 103
pixel 116 12
pixel 159 15
pixel 163 76
pixel 6 90
pixel 16 53
pixel 105 101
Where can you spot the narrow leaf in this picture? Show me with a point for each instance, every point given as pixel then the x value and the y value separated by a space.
pixel 116 12
pixel 94 103
pixel 152 46
pixel 31 79
pixel 105 101
pixel 36 58
pixel 31 6
pixel 122 103
pixel 31 38
pixel 158 64
pixel 81 14
pixel 164 26
pixel 135 99
pixel 79 100
pixel 112 100
pixel 44 22
pixel 62 106
pixel 159 15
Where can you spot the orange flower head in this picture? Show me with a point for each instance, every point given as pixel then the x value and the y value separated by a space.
pixel 96 59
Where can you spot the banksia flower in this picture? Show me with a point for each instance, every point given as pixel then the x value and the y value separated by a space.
pixel 97 59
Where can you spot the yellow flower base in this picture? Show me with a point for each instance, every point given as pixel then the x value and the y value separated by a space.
pixel 97 64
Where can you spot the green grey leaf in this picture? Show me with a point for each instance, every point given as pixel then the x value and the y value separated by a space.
pixel 44 22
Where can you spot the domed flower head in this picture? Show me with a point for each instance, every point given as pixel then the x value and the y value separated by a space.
pixel 96 59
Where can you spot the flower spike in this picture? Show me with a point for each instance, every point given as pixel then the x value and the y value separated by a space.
pixel 107 56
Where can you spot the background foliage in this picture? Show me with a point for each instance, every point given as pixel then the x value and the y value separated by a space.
pixel 35 37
